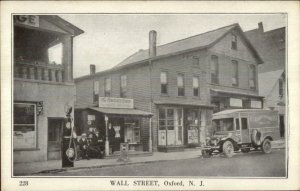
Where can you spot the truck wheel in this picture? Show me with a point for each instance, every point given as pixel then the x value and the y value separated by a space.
pixel 266 146
pixel 228 149
pixel 245 150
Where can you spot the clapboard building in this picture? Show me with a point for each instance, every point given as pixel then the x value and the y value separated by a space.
pixel 180 83
pixel 43 84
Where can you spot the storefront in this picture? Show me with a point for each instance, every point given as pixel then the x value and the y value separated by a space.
pixel 114 124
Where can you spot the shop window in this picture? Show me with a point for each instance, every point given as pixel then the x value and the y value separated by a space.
pixel 55 54
pixel 132 130
pixel 123 86
pixel 164 83
pixel 196 86
pixel 281 92
pixel 252 76
pixel 107 87
pixel 24 126
pixel 96 91
pixel 214 69
pixel 235 73
pixel 180 84
pixel 234 42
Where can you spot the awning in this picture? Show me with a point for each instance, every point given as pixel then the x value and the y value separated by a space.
pixel 218 92
pixel 121 111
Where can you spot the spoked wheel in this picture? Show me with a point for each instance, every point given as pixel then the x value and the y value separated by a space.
pixel 266 146
pixel 228 149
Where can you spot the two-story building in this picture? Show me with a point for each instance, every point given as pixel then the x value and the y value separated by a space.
pixel 272 80
pixel 43 84
pixel 181 83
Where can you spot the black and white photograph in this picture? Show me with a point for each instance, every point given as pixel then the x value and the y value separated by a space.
pixel 149 95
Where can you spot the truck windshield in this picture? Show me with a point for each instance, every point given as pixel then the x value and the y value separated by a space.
pixel 223 124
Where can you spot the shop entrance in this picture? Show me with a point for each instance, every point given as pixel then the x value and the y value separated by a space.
pixel 55 126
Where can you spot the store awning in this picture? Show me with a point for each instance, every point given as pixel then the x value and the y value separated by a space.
pixel 121 111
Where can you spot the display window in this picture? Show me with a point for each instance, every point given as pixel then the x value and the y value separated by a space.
pixel 132 130
pixel 24 136
pixel 170 126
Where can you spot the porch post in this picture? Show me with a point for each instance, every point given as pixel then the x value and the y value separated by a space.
pixel 150 130
pixel 106 136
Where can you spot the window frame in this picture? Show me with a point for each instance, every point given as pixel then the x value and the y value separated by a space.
pixel 123 89
pixel 107 93
pixel 280 87
pixel 180 90
pixel 196 61
pixel 196 88
pixel 234 41
pixel 96 95
pixel 214 74
pixel 252 73
pixel 235 73
pixel 34 125
pixel 163 86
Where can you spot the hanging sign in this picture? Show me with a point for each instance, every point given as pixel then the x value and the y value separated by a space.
pixel 256 104
pixel 30 20
pixel 110 102
pixel 235 102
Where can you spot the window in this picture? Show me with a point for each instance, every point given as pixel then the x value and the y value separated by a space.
pixel 195 61
pixel 55 54
pixel 123 89
pixel 132 130
pixel 235 73
pixel 223 124
pixel 24 126
pixel 244 123
pixel 196 86
pixel 281 88
pixel 164 82
pixel 237 124
pixel 96 91
pixel 107 87
pixel 180 84
pixel 234 42
pixel 214 69
pixel 252 76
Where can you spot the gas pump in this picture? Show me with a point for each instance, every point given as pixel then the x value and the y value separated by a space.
pixel 68 144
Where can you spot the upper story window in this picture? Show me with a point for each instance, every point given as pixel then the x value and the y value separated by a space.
pixel 235 73
pixel 196 86
pixel 107 87
pixel 214 69
pixel 281 90
pixel 252 76
pixel 24 126
pixel 55 54
pixel 196 61
pixel 234 42
pixel 164 83
pixel 123 86
pixel 96 91
pixel 180 84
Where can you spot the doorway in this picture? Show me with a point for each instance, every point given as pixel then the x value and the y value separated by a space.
pixel 55 127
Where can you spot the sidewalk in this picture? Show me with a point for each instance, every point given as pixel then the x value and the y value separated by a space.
pixel 29 169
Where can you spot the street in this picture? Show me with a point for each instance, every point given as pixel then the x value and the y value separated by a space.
pixel 253 164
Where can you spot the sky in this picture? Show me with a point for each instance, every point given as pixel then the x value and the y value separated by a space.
pixel 110 38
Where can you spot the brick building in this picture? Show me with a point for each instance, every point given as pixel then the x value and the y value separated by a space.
pixel 43 84
pixel 181 83
pixel 272 80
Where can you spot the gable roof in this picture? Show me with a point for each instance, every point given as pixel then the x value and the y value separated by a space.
pixel 200 41
pixel 267 80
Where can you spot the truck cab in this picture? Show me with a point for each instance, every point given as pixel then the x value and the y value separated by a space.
pixel 242 129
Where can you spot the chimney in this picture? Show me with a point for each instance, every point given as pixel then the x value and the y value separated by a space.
pixel 152 43
pixel 261 27
pixel 92 69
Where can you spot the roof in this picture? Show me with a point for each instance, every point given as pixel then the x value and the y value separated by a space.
pixel 196 42
pixel 267 80
pixel 232 111
pixel 235 93
pixel 121 111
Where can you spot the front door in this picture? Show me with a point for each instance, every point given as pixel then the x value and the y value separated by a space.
pixel 245 130
pixel 55 126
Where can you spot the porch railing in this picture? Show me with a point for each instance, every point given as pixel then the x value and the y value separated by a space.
pixel 39 71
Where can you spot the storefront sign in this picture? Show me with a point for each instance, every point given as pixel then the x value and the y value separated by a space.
pixel 109 102
pixel 30 20
pixel 256 104
pixel 235 102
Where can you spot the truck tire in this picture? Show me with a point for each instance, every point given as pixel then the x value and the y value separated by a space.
pixel 228 149
pixel 266 146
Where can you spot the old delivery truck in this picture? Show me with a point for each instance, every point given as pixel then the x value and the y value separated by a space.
pixel 242 129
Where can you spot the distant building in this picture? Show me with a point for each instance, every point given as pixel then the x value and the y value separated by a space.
pixel 272 80
pixel 43 84
pixel 181 83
